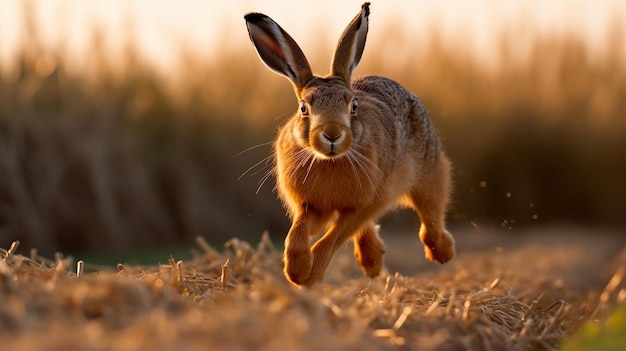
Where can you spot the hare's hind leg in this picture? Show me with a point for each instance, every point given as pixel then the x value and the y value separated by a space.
pixel 430 200
pixel 369 250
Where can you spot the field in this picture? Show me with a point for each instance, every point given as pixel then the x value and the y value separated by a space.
pixel 530 293
pixel 112 157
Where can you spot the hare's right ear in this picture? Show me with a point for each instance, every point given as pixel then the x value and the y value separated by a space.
pixel 278 50
pixel 351 44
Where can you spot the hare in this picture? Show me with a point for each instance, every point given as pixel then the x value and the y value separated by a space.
pixel 354 150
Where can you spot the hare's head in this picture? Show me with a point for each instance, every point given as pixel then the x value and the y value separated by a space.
pixel 327 118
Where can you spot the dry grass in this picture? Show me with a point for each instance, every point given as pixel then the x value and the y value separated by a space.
pixel 239 300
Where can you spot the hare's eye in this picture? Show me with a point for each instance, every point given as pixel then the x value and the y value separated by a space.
pixel 355 104
pixel 304 109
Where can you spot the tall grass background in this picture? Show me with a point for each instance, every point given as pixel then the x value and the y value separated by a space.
pixel 116 155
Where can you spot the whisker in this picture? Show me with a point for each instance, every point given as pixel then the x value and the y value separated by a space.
pixel 265 160
pixel 349 156
pixel 252 148
pixel 300 158
pixel 312 157
pixel 264 179
pixel 365 158
pixel 364 169
pixel 303 155
pixel 283 115
pixel 360 158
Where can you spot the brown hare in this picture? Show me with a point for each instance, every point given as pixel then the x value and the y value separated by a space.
pixel 354 150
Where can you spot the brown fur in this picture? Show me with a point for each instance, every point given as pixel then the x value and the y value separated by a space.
pixel 340 170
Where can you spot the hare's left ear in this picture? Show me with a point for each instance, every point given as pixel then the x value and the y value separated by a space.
pixel 351 44
pixel 278 50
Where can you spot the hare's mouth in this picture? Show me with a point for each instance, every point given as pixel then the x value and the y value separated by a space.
pixel 329 152
pixel 327 148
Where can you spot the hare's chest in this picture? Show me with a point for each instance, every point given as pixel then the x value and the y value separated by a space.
pixel 327 184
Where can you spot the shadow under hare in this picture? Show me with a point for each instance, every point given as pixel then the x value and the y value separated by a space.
pixel 354 150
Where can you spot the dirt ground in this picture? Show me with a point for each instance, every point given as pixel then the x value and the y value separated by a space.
pixel 504 291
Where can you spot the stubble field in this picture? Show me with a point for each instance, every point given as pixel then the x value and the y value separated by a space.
pixel 500 293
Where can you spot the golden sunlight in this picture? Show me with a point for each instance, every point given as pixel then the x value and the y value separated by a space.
pixel 161 28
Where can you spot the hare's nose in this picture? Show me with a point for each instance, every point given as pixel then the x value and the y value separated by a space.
pixel 332 132
pixel 331 139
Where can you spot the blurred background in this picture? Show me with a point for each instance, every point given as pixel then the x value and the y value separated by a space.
pixel 130 124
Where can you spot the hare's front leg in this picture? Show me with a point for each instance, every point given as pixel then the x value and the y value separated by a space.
pixel 430 200
pixel 324 249
pixel 369 250
pixel 298 258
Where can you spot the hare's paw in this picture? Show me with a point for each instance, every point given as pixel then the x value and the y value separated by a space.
pixel 369 255
pixel 441 250
pixel 298 265
pixel 313 279
pixel 371 261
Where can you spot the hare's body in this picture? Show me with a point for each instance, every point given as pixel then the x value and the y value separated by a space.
pixel 385 163
pixel 340 168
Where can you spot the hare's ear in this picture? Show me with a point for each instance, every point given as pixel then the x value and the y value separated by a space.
pixel 351 44
pixel 278 50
